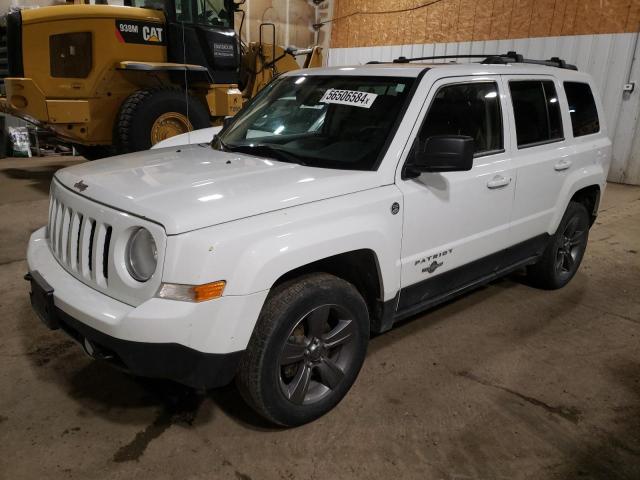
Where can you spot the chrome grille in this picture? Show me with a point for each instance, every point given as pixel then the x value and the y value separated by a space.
pixel 89 240
pixel 79 242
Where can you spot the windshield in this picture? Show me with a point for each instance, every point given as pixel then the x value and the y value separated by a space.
pixel 207 12
pixel 332 122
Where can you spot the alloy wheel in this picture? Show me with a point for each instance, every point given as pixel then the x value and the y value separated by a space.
pixel 317 354
pixel 571 245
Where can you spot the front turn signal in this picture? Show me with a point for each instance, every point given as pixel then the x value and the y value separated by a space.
pixel 192 293
pixel 209 291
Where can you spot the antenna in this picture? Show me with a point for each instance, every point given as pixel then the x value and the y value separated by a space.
pixel 186 84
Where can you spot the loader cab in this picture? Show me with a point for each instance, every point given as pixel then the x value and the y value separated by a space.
pixel 201 32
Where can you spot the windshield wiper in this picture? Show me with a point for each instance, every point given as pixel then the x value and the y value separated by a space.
pixel 262 149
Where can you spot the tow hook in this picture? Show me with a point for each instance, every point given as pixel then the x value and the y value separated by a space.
pixel 94 351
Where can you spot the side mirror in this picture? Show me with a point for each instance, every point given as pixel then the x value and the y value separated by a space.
pixel 443 153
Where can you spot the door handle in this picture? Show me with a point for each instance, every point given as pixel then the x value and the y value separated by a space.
pixel 562 165
pixel 498 182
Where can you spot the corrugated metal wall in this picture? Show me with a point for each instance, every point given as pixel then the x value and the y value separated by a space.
pixel 607 57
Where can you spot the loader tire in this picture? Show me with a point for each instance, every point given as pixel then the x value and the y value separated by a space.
pixel 151 115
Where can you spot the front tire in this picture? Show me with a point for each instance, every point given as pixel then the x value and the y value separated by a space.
pixel 562 257
pixel 306 350
pixel 151 115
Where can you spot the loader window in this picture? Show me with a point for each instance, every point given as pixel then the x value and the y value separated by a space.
pixel 70 55
pixel 342 122
pixel 214 12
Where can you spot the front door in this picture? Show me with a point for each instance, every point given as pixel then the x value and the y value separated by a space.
pixel 454 221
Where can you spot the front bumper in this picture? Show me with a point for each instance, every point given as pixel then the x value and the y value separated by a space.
pixel 157 360
pixel 197 344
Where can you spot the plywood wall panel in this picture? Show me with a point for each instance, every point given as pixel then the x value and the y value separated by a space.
pixel 633 19
pixel 435 32
pixel 557 19
pixel 586 21
pixel 541 18
pixel 419 26
pixel 611 21
pixel 450 12
pixel 466 16
pixel 521 19
pixel 469 20
pixel 482 20
pixel 337 30
pixel 404 24
pixel 569 16
pixel 501 18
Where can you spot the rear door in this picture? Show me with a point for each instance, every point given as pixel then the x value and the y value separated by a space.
pixel 541 155
pixel 455 221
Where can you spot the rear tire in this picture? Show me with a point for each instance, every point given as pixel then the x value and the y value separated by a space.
pixel 306 349
pixel 137 121
pixel 561 259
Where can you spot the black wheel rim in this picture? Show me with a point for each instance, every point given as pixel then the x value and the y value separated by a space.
pixel 572 242
pixel 318 353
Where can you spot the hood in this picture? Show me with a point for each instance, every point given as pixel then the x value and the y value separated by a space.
pixel 195 186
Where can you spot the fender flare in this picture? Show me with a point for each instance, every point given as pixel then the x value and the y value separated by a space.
pixel 195 73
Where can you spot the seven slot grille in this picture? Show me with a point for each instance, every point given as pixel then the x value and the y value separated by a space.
pixel 79 242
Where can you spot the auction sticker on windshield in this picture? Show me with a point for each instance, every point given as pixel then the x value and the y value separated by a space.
pixel 349 97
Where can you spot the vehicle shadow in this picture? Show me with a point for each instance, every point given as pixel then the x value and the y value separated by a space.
pixel 122 398
pixel 40 176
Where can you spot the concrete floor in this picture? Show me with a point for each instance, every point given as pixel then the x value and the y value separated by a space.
pixel 508 382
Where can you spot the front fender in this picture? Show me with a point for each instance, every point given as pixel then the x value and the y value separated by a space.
pixel 252 253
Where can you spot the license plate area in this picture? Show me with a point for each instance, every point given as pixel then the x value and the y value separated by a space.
pixel 42 300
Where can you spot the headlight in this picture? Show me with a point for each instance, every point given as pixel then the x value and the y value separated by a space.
pixel 141 255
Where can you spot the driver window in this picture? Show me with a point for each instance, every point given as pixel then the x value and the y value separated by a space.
pixel 471 109
pixel 214 12
pixel 183 11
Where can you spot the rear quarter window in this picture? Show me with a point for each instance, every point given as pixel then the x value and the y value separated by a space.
pixel 582 108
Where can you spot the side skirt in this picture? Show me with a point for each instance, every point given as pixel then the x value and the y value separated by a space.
pixel 433 291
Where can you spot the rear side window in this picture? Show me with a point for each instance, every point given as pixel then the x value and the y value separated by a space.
pixel 537 112
pixel 471 109
pixel 582 107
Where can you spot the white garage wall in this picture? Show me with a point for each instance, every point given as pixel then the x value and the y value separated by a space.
pixel 609 58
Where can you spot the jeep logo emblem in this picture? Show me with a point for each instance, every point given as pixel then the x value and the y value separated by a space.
pixel 81 186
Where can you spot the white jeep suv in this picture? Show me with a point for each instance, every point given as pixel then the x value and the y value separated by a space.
pixel 339 201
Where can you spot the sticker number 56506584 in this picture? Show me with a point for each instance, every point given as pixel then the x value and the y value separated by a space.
pixel 349 97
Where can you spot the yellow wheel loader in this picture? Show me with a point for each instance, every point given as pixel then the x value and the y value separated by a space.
pixel 116 79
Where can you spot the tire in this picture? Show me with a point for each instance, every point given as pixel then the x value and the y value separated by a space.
pixel 561 259
pixel 309 317
pixel 95 152
pixel 140 111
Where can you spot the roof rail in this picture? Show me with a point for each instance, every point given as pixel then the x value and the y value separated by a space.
pixel 501 59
